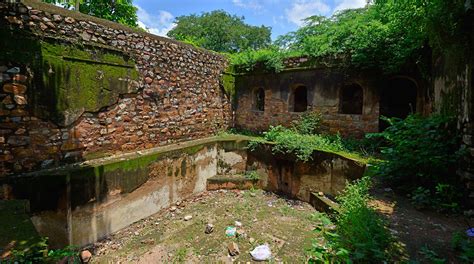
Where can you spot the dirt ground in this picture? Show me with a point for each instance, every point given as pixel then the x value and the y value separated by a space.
pixel 285 225
pixel 419 231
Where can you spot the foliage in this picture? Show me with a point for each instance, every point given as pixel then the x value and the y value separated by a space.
pixel 431 256
pixel 464 247
pixel 385 35
pixel 326 248
pixel 271 58
pixel 308 123
pixel 39 253
pixel 359 234
pixel 422 152
pixel 289 141
pixel 220 31
pixel 121 11
pixel 251 175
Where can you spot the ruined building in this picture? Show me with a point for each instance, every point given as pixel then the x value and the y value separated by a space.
pixel 99 122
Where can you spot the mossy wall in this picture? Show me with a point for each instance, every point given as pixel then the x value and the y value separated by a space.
pixel 83 79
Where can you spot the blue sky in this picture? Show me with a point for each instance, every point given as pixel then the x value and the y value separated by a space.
pixel 282 15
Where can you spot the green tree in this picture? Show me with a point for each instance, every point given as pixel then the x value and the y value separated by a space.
pixel 220 31
pixel 121 11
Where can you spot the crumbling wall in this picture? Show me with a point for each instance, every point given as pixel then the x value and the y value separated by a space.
pixel 75 87
pixel 452 93
pixel 323 91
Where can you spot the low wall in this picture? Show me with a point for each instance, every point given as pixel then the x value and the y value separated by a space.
pixel 81 203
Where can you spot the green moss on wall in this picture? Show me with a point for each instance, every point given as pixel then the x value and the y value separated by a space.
pixel 228 82
pixel 79 79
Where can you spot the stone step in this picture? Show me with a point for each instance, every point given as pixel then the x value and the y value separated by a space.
pixel 231 182
pixel 323 203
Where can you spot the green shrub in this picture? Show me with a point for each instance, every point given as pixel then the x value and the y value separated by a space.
pixel 309 123
pixel 464 246
pixel 251 175
pixel 359 234
pixel 422 152
pixel 302 145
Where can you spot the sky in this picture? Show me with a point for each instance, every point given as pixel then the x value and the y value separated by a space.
pixel 282 16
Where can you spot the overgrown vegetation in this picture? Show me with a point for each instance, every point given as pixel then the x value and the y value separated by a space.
pixel 356 233
pixel 39 253
pixel 420 158
pixel 303 138
pixel 386 35
pixel 120 11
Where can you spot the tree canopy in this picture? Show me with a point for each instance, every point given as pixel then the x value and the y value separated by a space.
pixel 385 35
pixel 220 31
pixel 121 11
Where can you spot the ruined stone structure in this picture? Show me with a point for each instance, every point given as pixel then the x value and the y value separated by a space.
pixel 95 119
pixel 75 87
pixel 351 103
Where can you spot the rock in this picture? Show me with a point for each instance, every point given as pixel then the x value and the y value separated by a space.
pixel 209 228
pixel 173 208
pixel 252 240
pixel 20 99
pixel 238 224
pixel 241 233
pixel 57 18
pixel 85 256
pixel 148 80
pixel 233 249
pixel 136 233
pixel 14 88
pixel 69 20
pixel 320 193
pixel 188 217
pixel 149 241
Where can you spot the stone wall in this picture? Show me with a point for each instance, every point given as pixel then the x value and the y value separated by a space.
pixel 323 91
pixel 453 94
pixel 76 87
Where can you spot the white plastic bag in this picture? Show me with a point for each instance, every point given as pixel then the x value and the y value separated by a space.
pixel 261 253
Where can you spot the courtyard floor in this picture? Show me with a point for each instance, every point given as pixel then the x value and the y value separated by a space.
pixel 171 237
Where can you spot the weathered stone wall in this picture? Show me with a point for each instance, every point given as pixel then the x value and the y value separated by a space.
pixel 323 90
pixel 453 85
pixel 75 87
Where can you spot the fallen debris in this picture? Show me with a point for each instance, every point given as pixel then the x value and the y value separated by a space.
pixel 230 231
pixel 209 228
pixel 188 217
pixel 85 256
pixel 261 253
pixel 233 249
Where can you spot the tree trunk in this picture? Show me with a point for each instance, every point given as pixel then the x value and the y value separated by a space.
pixel 77 5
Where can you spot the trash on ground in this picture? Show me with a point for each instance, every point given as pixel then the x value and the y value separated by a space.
pixel 261 253
pixel 230 231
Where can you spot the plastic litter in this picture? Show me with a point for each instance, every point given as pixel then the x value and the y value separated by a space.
pixel 230 231
pixel 261 253
pixel 470 232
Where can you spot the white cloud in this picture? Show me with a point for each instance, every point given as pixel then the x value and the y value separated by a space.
pixel 248 4
pixel 158 24
pixel 302 9
pixel 349 4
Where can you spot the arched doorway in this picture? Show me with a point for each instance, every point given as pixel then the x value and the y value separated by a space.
pixel 300 99
pixel 351 99
pixel 398 99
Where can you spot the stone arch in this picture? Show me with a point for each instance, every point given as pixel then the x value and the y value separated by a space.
pixel 299 98
pixel 351 99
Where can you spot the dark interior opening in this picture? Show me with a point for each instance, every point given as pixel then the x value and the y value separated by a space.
pixel 397 99
pixel 351 99
pixel 300 99
pixel 259 99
